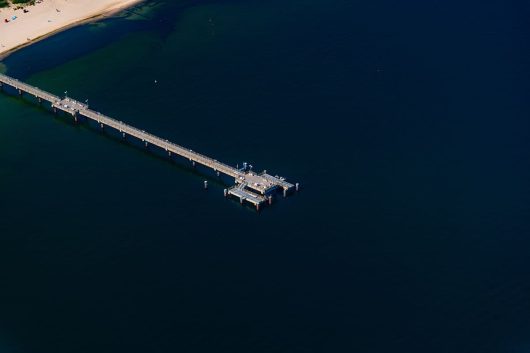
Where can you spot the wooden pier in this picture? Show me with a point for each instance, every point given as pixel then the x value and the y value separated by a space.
pixel 249 186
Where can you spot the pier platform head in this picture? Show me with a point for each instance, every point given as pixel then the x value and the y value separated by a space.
pixel 263 183
pixel 244 194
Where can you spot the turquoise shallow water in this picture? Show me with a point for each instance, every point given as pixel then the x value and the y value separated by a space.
pixel 405 123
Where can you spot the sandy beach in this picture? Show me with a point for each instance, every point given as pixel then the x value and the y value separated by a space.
pixel 48 17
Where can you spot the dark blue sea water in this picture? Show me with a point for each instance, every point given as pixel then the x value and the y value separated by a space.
pixel 406 122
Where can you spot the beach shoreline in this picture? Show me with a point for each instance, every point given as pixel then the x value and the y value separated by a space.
pixel 51 17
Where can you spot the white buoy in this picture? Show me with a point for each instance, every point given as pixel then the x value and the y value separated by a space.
pixel 206 184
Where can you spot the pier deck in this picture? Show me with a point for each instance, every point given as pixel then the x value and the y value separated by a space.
pixel 250 186
pixel 244 194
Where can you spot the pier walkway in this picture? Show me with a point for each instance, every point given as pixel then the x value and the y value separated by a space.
pixel 249 186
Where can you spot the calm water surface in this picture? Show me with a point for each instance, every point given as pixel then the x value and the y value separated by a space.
pixel 405 122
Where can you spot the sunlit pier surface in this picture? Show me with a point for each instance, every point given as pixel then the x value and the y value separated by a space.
pixel 250 187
